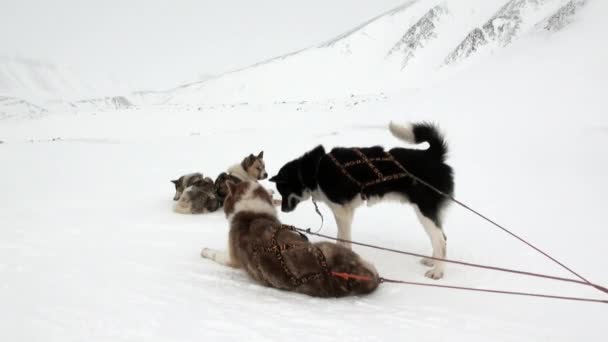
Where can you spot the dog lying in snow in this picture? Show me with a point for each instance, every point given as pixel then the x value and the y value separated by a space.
pixel 345 178
pixel 185 181
pixel 279 257
pixel 195 194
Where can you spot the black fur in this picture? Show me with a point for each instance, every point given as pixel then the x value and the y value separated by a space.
pixel 315 170
pixel 221 185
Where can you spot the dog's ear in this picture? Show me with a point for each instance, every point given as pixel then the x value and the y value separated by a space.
pixel 248 161
pixel 175 181
pixel 261 155
pixel 231 186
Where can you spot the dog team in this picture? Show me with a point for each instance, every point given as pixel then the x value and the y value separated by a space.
pixel 276 255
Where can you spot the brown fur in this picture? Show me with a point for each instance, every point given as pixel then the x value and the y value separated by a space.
pixel 235 193
pixel 262 193
pixel 279 257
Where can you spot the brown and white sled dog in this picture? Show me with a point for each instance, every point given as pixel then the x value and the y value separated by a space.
pixel 195 194
pixel 252 169
pixel 345 178
pixel 277 256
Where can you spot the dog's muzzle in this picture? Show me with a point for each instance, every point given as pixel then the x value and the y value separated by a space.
pixel 289 204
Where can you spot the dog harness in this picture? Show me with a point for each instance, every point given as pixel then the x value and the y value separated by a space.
pixel 277 250
pixel 365 160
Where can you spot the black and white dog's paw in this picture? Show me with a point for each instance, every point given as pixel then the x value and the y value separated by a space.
pixel 208 253
pixel 427 262
pixel 434 274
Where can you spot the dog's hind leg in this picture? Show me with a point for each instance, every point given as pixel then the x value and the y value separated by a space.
pixel 221 257
pixel 344 219
pixel 438 241
pixel 183 205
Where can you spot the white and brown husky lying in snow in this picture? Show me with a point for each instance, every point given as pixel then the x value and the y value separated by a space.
pixel 275 255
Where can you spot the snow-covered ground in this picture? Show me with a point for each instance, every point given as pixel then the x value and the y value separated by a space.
pixel 90 248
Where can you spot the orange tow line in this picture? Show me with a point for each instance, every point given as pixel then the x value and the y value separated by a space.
pixel 347 276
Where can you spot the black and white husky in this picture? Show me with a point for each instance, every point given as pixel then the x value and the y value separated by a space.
pixel 323 177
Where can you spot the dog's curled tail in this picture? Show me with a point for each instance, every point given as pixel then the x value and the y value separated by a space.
pixel 416 133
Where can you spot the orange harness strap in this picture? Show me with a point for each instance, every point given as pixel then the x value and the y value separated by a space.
pixel 347 276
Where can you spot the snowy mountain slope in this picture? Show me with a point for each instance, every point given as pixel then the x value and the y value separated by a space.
pixel 11 106
pixel 406 48
pixel 514 19
pixel 38 88
pixel 416 37
pixel 90 249
pixel 35 80
pixel 564 16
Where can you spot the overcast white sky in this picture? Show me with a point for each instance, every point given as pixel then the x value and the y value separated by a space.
pixel 158 44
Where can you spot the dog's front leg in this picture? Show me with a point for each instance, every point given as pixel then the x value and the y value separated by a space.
pixel 275 202
pixel 221 257
pixel 344 219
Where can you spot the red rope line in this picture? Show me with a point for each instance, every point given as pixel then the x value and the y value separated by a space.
pixel 347 276
pixel 493 268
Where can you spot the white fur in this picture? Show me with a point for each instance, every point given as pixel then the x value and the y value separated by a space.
pixel 439 245
pixel 240 173
pixel 389 197
pixel 181 208
pixel 250 202
pixel 344 215
pixel 184 203
pixel 221 257
pixel 403 132
pixel 305 196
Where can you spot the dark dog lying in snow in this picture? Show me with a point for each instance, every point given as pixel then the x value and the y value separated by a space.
pixel 277 256
pixel 347 177
pixel 195 194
